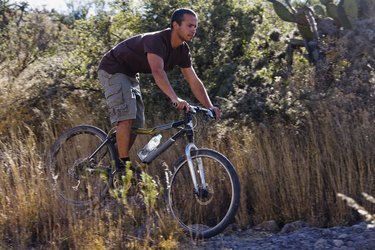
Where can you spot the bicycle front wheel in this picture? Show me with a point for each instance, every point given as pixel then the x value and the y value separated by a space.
pixel 208 212
pixel 81 164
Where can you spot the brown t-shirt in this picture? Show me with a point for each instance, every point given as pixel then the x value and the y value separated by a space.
pixel 130 56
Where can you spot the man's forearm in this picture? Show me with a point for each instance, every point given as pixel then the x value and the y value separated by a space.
pixel 200 92
pixel 163 83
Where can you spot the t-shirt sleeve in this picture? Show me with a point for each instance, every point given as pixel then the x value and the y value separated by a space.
pixel 154 44
pixel 185 57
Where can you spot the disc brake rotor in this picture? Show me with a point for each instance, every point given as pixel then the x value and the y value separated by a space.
pixel 206 197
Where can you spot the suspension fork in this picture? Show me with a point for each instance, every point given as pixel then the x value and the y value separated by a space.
pixel 188 149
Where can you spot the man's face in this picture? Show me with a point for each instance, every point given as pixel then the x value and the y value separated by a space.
pixel 186 31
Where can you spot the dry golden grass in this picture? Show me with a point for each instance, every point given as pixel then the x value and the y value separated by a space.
pixel 286 175
pixel 32 216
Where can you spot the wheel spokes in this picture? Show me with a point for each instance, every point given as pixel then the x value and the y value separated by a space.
pixel 76 178
pixel 200 212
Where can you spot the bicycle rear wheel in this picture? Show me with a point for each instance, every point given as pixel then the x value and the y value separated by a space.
pixel 205 215
pixel 80 176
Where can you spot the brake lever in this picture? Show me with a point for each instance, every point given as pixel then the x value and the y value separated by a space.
pixel 211 113
pixel 193 109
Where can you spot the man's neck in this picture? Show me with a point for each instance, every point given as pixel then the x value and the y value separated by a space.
pixel 175 40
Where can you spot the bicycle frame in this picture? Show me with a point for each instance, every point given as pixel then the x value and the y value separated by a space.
pixel 84 166
pixel 186 131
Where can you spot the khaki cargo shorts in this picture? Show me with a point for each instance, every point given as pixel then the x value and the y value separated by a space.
pixel 124 98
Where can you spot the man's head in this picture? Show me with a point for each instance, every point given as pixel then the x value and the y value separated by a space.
pixel 178 15
pixel 184 23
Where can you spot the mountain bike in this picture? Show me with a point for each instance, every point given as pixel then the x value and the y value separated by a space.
pixel 203 191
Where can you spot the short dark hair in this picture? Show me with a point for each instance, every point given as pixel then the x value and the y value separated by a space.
pixel 178 15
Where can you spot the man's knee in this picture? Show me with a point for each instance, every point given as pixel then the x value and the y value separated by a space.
pixel 125 123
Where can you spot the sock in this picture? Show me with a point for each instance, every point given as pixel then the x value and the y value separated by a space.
pixel 125 159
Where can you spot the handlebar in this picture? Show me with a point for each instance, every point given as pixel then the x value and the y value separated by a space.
pixel 197 109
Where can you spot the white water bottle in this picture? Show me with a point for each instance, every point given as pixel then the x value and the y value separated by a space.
pixel 150 146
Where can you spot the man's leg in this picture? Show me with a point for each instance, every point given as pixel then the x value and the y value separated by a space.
pixel 126 108
pixel 124 138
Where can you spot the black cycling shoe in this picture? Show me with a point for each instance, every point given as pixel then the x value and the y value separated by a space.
pixel 120 180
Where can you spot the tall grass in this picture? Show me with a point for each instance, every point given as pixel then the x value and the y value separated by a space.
pixel 32 216
pixel 290 174
pixel 286 174
pixel 27 215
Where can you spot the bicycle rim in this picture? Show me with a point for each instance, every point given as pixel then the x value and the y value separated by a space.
pixel 77 179
pixel 204 217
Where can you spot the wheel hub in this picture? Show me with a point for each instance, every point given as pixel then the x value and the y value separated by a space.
pixel 204 195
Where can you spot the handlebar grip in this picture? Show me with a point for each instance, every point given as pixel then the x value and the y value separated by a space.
pixel 213 113
pixel 191 107
pixel 194 109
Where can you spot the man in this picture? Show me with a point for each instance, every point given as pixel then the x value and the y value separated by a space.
pixel 155 53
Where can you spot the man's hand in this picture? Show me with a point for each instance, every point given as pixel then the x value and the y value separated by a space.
pixel 181 104
pixel 217 112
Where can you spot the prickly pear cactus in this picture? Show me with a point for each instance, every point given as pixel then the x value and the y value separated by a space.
pixel 347 11
pixel 319 10
pixel 305 26
pixel 282 11
pixel 325 2
pixel 331 10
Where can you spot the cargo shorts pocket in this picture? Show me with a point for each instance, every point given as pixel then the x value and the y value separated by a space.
pixel 113 94
pixel 119 111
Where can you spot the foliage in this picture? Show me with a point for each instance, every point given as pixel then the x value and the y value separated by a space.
pixel 322 19
pixel 157 14
pixel 92 35
pixel 25 37
pixel 263 89
pixel 322 26
pixel 242 60
pixel 215 57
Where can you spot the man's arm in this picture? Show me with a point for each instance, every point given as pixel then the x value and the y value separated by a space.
pixel 198 89
pixel 157 68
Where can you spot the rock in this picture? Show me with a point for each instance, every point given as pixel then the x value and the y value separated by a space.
pixel 320 244
pixel 301 236
pixel 343 236
pixel 269 226
pixel 338 243
pixel 294 226
pixel 231 229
